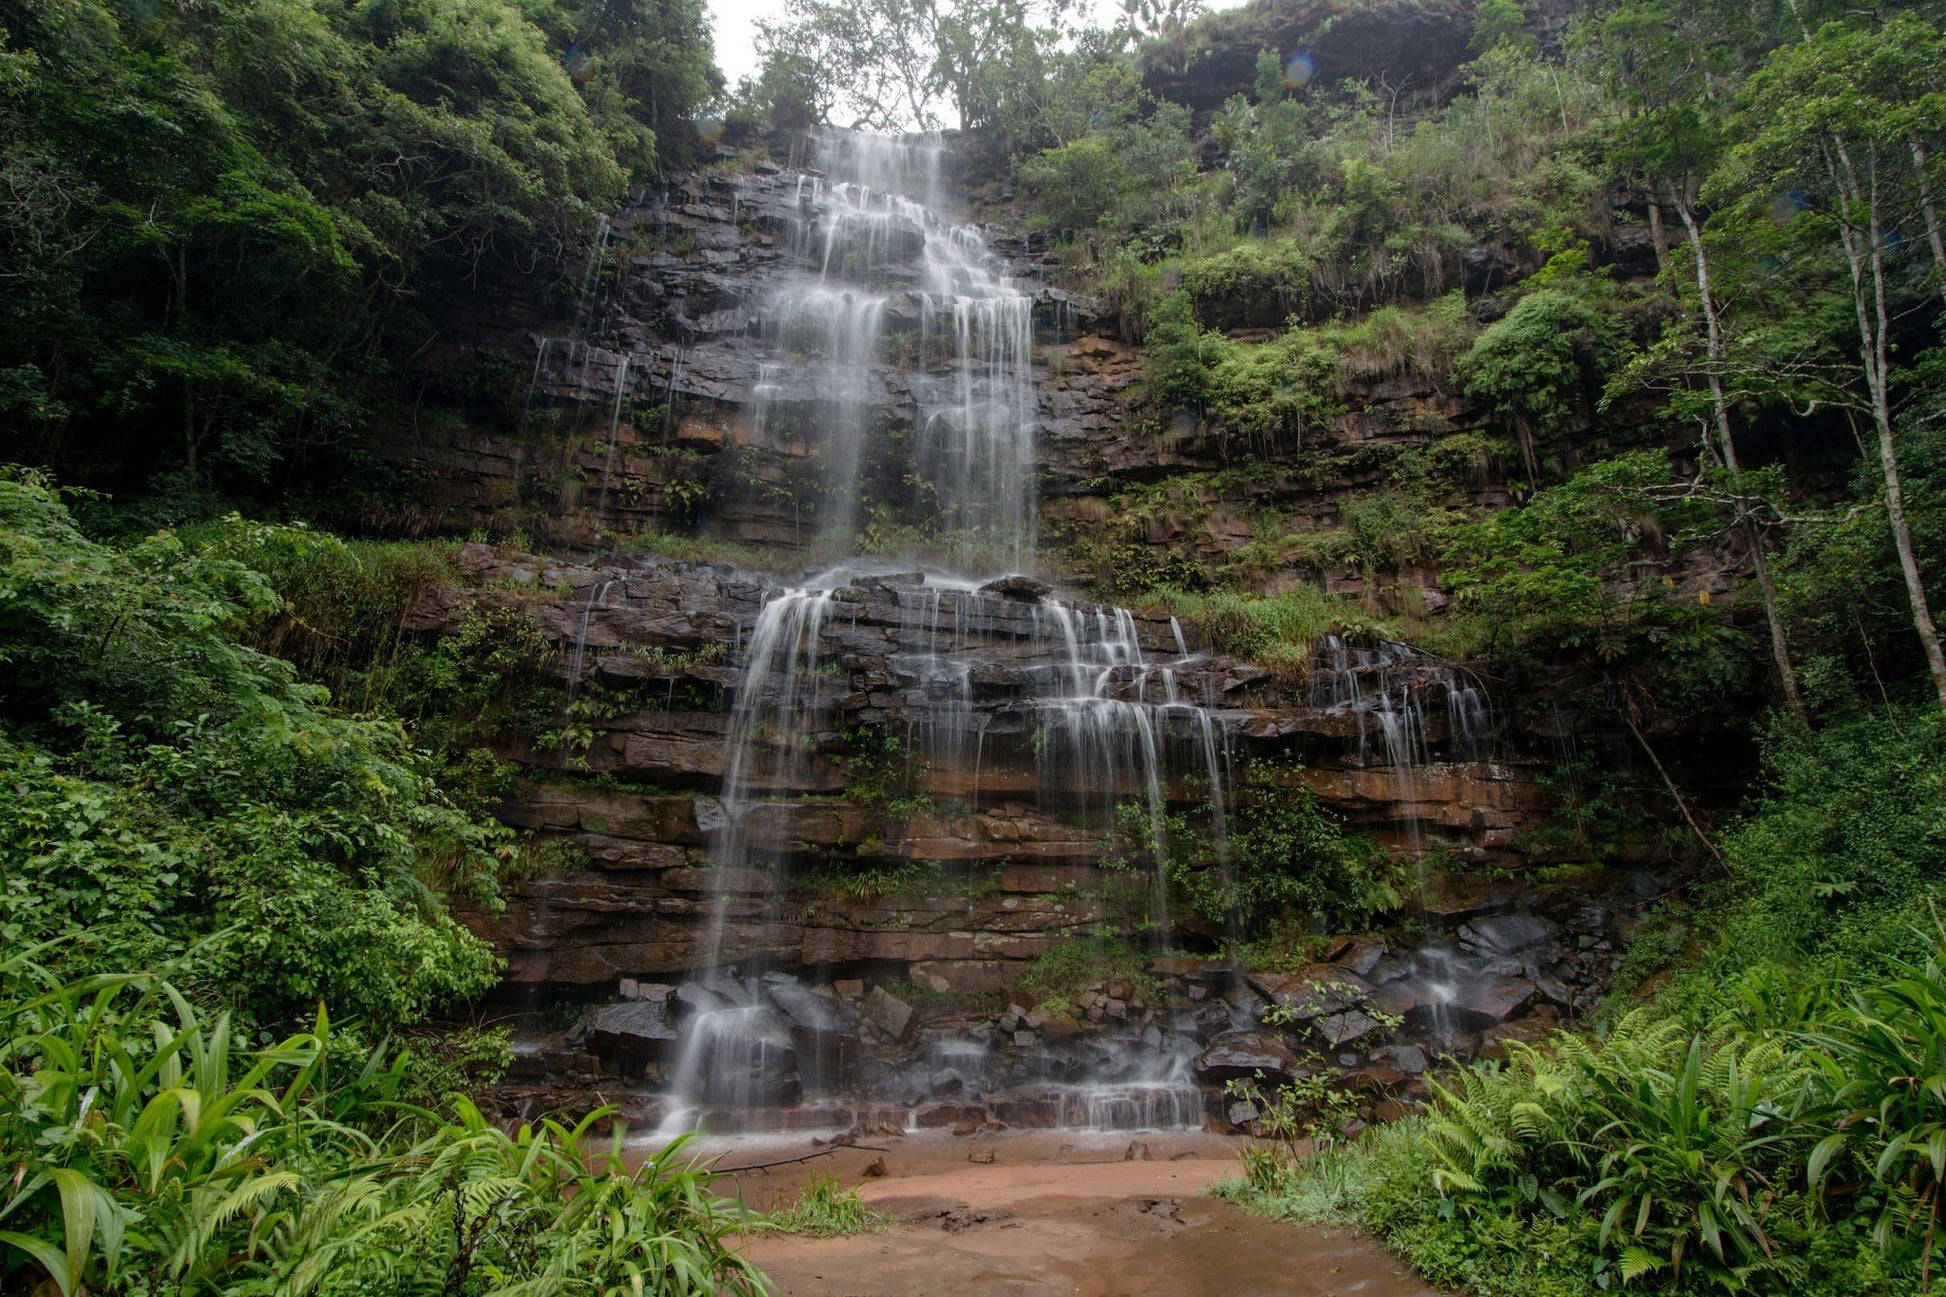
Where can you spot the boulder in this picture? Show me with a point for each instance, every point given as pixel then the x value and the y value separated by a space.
pixel 888 1012
pixel 1508 934
pixel 1410 1059
pixel 1344 1028
pixel 1312 992
pixel 1018 586
pixel 1481 1002
pixel 1242 1055
pixel 637 1030
pixel 1361 956
pixel 694 997
pixel 823 1031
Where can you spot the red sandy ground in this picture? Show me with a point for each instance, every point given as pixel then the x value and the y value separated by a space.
pixel 1053 1213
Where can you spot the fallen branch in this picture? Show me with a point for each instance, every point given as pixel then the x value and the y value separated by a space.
pixel 789 1161
pixel 1669 783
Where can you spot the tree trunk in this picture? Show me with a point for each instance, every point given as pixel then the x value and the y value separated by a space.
pixel 1864 253
pixel 1780 651
pixel 1931 212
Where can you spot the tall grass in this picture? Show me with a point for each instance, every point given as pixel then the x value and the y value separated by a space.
pixel 1279 630
pixel 1791 1144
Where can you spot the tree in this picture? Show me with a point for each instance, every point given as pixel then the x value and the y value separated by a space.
pixel 891 63
pixel 1826 121
pixel 1670 136
pixel 219 216
pixel 1540 362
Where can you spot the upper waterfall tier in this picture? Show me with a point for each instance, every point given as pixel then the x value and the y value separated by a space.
pixel 882 280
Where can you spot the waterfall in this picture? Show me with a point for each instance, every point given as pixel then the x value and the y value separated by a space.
pixel 877 259
pixel 1063 693
pixel 1395 690
pixel 614 430
pixel 597 598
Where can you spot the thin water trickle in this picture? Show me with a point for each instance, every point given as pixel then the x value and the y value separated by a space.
pixel 614 431
pixel 597 598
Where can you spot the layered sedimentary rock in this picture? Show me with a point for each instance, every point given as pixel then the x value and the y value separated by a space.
pixel 1015 853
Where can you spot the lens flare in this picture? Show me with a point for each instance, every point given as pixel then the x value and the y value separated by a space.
pixel 1299 71
pixel 1784 207
pixel 575 59
pixel 709 129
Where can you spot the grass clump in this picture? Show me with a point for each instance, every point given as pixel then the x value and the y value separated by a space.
pixel 154 1150
pixel 825 1209
pixel 1073 966
pixel 1279 630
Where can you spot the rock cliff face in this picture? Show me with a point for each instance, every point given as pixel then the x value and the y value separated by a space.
pixel 1017 852
pixel 945 874
pixel 881 779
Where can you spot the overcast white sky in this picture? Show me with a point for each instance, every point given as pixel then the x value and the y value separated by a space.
pixel 736 33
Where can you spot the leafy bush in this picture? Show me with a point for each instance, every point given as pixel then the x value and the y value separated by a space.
pixel 1771 1125
pixel 151 1152
pixel 1543 579
pixel 163 786
pixel 1664 1157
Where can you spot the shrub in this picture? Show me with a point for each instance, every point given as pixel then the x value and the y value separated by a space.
pixel 150 1151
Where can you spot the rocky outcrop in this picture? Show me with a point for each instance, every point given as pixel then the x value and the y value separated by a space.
pixel 1414 45
pixel 1190 1041
pixel 1006 873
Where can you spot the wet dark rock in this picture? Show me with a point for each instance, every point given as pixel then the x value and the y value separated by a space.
pixel 1361 956
pixel 823 1030
pixel 1238 1055
pixel 1557 988
pixel 1484 1001
pixel 659 992
pixel 890 1014
pixel 1410 1059
pixel 1243 1002
pixel 693 997
pixel 1212 1021
pixel 1345 1028
pixel 1509 934
pixel 1027 588
pixel 640 1029
pixel 1312 992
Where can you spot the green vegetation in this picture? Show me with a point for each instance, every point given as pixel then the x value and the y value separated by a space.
pixel 155 1150
pixel 1285 863
pixel 824 1209
pixel 199 851
pixel 167 787
pixel 1762 1124
pixel 1071 967
pixel 226 219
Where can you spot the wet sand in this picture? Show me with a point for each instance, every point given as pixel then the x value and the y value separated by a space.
pixel 1052 1213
